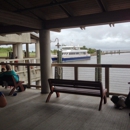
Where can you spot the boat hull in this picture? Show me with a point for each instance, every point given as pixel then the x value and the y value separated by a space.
pixel 67 59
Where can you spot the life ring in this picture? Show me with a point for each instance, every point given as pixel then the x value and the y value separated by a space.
pixel 3 101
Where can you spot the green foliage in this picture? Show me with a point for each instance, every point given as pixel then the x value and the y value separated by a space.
pixel 90 50
pixel 83 48
pixel 4 51
pixel 32 54
pixel 7 49
pixel 54 52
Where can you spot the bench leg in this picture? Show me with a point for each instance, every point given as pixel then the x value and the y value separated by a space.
pixel 100 105
pixel 21 86
pixel 57 94
pixel 48 98
pixel 105 99
pixel 11 92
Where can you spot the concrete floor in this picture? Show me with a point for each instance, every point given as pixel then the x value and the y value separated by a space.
pixel 28 111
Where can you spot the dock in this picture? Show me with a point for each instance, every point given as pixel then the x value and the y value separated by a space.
pixel 28 111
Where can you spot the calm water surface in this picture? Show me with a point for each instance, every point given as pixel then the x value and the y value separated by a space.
pixel 123 58
pixel 119 77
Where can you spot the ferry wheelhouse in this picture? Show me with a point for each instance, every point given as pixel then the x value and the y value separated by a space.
pixel 72 53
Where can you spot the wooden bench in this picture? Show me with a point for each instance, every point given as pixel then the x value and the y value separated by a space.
pixel 90 88
pixel 9 79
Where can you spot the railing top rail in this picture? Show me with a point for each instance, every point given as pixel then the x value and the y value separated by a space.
pixel 93 65
pixel 7 60
pixel 22 64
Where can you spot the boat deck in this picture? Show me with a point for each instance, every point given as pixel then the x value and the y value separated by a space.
pixel 28 111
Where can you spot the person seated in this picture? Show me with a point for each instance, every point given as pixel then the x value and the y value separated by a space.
pixel 2 70
pixel 9 71
pixel 119 101
pixel 16 66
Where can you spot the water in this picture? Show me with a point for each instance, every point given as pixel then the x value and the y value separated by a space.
pixel 122 58
pixel 119 77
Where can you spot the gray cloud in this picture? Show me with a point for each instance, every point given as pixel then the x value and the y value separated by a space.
pixel 99 37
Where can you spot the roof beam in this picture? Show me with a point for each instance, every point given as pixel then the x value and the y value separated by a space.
pixel 47 5
pixel 14 29
pixel 63 8
pixel 56 30
pixel 90 20
pixel 19 29
pixel 101 5
pixel 20 20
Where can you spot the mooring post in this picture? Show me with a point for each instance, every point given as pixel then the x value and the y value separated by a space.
pixel 98 70
pixel 59 70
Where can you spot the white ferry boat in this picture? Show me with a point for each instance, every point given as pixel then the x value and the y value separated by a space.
pixel 72 53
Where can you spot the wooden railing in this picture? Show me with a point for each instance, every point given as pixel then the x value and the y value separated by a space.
pixel 28 68
pixel 105 66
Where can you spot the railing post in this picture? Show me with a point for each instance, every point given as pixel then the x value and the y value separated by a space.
pixel 76 73
pixel 29 76
pixel 0 67
pixel 13 66
pixel 107 80
pixel 23 66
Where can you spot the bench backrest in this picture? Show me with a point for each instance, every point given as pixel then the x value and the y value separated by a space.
pixel 96 85
pixel 9 79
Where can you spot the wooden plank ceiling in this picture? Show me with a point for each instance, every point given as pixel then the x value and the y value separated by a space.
pixel 31 15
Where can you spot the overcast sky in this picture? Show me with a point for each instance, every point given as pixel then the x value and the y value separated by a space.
pixel 101 37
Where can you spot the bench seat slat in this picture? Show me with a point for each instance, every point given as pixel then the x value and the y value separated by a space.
pixel 77 91
pixel 76 86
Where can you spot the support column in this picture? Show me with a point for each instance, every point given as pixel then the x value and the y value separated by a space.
pixel 37 50
pixel 14 50
pixel 20 55
pixel 20 51
pixel 45 59
pixel 27 50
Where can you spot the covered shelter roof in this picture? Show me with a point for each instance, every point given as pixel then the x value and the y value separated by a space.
pixel 32 15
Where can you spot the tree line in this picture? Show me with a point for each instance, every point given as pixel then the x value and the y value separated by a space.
pixel 10 49
pixel 5 49
pixel 90 50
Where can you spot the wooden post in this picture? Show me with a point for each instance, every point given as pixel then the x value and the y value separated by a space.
pixel 59 70
pixel 107 80
pixel 98 71
pixel 119 52
pixel 76 72
pixel 29 76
